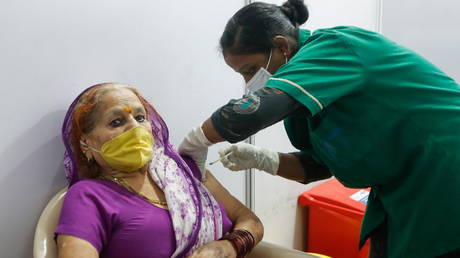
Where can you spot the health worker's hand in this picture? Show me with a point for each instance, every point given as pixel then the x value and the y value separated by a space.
pixel 218 249
pixel 242 156
pixel 195 145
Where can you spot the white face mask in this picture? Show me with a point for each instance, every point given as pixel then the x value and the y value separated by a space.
pixel 260 78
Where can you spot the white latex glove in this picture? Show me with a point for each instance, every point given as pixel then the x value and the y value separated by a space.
pixel 242 156
pixel 195 145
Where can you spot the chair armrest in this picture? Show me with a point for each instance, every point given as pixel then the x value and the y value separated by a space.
pixel 269 250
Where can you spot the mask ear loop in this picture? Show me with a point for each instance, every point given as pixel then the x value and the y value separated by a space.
pixel 93 149
pixel 269 58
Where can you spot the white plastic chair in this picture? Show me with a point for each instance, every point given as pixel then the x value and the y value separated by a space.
pixel 44 244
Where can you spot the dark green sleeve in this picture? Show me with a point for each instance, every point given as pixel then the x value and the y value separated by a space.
pixel 244 117
pixel 314 171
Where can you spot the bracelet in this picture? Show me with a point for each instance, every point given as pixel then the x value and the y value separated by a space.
pixel 242 240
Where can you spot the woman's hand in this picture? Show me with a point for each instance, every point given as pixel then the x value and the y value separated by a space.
pixel 217 249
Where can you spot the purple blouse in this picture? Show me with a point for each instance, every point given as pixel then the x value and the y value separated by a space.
pixel 117 222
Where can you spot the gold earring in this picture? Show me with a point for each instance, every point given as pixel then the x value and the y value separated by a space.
pixel 88 156
pixel 285 57
pixel 91 161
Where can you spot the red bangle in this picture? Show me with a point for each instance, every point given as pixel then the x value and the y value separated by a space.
pixel 242 240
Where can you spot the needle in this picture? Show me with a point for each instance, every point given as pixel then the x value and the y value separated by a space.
pixel 214 162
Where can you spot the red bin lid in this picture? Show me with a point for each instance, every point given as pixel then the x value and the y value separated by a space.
pixel 333 195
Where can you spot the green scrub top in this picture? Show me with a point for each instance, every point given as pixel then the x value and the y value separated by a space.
pixel 385 117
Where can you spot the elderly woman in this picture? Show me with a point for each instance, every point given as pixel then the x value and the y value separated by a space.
pixel 132 195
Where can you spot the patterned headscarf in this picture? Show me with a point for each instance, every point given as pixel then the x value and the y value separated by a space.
pixel 196 216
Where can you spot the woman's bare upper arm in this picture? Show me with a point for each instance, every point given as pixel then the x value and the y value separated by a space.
pixel 73 247
pixel 233 206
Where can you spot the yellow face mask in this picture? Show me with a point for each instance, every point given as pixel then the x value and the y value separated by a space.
pixel 128 151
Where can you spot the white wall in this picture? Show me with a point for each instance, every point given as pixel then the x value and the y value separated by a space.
pixel 275 197
pixel 429 27
pixel 51 50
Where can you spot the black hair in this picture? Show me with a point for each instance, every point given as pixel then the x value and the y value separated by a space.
pixel 253 27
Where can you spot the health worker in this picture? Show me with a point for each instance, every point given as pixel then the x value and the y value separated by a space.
pixel 357 106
